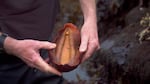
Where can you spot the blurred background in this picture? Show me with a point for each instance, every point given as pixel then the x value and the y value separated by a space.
pixel 124 33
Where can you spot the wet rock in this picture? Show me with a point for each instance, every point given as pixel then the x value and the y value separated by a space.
pixel 122 59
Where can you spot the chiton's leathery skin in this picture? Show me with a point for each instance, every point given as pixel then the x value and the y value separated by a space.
pixel 66 56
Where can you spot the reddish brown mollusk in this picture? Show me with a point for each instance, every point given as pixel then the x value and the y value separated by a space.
pixel 66 55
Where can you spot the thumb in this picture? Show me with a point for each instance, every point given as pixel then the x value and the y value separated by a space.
pixel 47 45
pixel 45 67
pixel 84 43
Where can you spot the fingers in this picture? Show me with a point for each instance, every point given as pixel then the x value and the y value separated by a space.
pixel 88 47
pixel 40 64
pixel 88 53
pixel 93 46
pixel 43 66
pixel 84 43
pixel 46 45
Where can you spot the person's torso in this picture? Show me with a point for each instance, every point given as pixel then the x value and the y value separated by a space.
pixel 28 19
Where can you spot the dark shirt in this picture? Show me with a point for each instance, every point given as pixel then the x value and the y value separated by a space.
pixel 28 19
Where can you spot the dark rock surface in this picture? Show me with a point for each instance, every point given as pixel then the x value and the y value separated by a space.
pixel 122 59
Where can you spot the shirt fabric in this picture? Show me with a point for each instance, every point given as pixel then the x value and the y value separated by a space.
pixel 26 19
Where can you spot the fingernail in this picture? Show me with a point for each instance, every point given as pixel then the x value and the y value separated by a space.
pixel 82 49
pixel 56 73
pixel 60 74
pixel 53 45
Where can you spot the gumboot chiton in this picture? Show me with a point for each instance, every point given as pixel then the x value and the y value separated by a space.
pixel 66 56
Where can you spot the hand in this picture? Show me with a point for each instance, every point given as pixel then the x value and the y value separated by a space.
pixel 89 40
pixel 28 51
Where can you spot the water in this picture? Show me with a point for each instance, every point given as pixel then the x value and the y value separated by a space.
pixel 107 44
pixel 73 75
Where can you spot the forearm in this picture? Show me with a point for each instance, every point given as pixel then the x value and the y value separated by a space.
pixel 89 34
pixel 89 10
pixel 10 45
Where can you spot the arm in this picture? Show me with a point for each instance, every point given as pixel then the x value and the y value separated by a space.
pixel 89 10
pixel 28 51
pixel 89 33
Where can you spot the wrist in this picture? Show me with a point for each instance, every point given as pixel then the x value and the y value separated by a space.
pixel 91 18
pixel 90 24
pixel 10 45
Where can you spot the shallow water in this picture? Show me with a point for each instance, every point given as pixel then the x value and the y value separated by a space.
pixel 75 75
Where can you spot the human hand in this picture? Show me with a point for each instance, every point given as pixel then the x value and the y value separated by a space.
pixel 89 40
pixel 28 51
